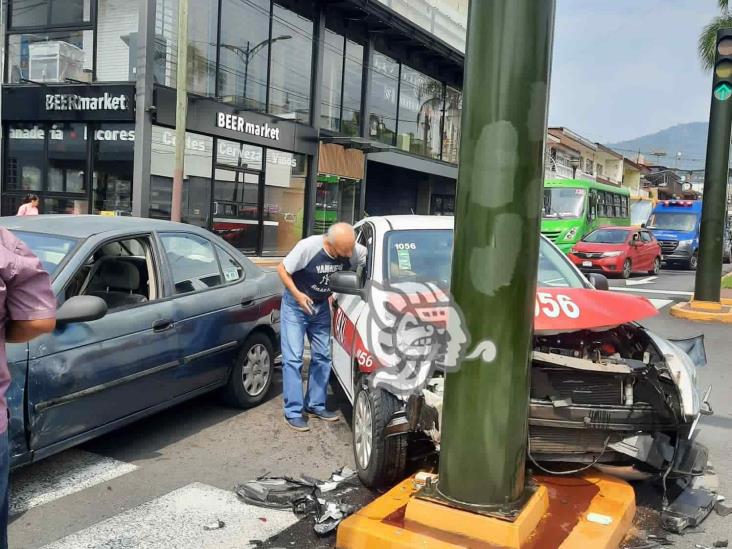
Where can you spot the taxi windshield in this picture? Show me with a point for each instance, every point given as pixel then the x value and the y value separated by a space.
pixel 425 255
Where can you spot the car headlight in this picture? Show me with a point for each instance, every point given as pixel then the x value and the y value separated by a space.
pixel 683 373
pixel 611 254
pixel 685 243
pixel 570 234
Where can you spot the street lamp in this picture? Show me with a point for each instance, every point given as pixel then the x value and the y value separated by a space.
pixel 247 53
pixel 575 163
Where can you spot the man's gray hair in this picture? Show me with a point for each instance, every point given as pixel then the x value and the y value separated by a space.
pixel 339 228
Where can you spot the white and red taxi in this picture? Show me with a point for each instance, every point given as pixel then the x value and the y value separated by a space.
pixel 604 391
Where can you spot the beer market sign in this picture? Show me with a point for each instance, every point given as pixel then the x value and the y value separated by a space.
pixel 76 102
pixel 241 125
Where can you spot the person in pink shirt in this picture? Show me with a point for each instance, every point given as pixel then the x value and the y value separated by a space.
pixel 29 206
pixel 27 310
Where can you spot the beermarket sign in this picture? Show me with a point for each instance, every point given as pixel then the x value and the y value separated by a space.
pixel 76 102
pixel 241 125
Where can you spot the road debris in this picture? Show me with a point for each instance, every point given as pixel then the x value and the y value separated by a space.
pixel 721 543
pixel 218 525
pixel 305 496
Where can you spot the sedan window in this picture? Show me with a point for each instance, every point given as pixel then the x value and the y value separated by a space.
pixel 231 268
pixel 192 262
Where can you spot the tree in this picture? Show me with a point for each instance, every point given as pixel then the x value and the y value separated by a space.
pixel 708 37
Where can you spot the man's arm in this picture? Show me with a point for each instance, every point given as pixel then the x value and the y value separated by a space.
pixel 20 331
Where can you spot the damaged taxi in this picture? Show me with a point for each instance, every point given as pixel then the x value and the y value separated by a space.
pixel 605 391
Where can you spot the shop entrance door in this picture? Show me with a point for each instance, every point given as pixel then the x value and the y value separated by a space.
pixel 237 216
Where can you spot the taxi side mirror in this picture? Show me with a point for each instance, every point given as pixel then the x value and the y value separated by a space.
pixel 346 282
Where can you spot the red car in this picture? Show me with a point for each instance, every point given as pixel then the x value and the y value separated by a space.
pixel 618 251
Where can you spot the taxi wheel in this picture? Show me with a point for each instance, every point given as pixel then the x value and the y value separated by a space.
pixel 627 269
pixel 251 376
pixel 656 266
pixel 380 461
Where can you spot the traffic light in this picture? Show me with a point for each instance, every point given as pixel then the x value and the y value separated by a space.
pixel 723 66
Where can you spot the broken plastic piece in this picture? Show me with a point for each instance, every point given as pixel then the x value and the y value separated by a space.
pixel 721 543
pixel 688 510
pixel 218 525
pixel 722 509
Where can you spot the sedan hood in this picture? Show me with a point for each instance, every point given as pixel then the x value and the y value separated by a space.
pixel 563 310
pixel 598 247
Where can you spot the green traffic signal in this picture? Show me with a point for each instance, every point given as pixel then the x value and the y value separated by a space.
pixel 722 91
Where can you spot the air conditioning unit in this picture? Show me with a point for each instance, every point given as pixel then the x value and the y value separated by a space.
pixel 54 61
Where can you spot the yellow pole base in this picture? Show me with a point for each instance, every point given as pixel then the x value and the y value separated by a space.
pixel 704 311
pixel 587 511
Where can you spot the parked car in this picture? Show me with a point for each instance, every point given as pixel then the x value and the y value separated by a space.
pixel 151 313
pixel 609 392
pixel 617 251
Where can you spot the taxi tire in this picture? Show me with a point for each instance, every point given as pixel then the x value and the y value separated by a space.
pixel 388 459
pixel 234 392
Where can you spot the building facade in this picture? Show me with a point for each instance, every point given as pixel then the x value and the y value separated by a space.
pixel 300 113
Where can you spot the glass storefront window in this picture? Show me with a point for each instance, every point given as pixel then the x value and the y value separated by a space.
pixel 291 52
pixel 58 205
pixel 336 199
pixel 451 125
pixel 67 158
pixel 238 155
pixel 43 13
pixel 284 201
pixel 25 158
pixel 383 99
pixel 202 32
pixel 116 40
pixel 243 53
pixel 353 73
pixel 196 178
pixel 420 109
pixel 113 158
pixel 332 79
pixel 236 208
pixel 51 56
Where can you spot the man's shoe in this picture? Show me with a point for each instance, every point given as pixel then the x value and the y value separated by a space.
pixel 325 415
pixel 297 423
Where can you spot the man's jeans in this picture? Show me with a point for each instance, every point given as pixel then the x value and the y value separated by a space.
pixel 295 325
pixel 4 471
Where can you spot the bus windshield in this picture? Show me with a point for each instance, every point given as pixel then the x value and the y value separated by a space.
pixel 563 202
pixel 672 221
pixel 640 211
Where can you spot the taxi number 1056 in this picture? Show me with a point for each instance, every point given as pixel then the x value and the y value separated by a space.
pixel 552 306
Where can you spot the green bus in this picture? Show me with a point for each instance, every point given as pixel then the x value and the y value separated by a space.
pixel 574 207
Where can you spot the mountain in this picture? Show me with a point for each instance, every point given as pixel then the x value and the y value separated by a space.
pixel 688 139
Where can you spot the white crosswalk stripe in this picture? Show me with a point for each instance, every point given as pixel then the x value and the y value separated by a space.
pixel 660 303
pixel 177 520
pixel 61 475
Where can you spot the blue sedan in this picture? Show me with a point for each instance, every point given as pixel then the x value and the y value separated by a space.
pixel 151 313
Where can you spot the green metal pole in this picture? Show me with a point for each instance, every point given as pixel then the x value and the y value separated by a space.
pixel 499 192
pixel 714 208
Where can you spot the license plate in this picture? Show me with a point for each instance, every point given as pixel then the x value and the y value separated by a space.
pixel 587 263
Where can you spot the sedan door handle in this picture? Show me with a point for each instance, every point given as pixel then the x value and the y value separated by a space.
pixel 162 325
pixel 245 302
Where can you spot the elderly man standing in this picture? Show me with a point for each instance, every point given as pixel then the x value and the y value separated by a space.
pixel 305 273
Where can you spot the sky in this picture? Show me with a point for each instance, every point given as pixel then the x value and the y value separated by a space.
pixel 626 68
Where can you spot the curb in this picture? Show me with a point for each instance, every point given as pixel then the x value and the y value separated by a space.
pixel 704 311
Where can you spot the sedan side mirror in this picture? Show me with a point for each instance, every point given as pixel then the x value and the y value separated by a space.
pixel 81 308
pixel 599 281
pixel 346 282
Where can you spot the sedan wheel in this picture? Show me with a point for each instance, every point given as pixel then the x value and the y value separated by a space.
pixel 251 376
pixel 627 269
pixel 656 266
pixel 256 371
